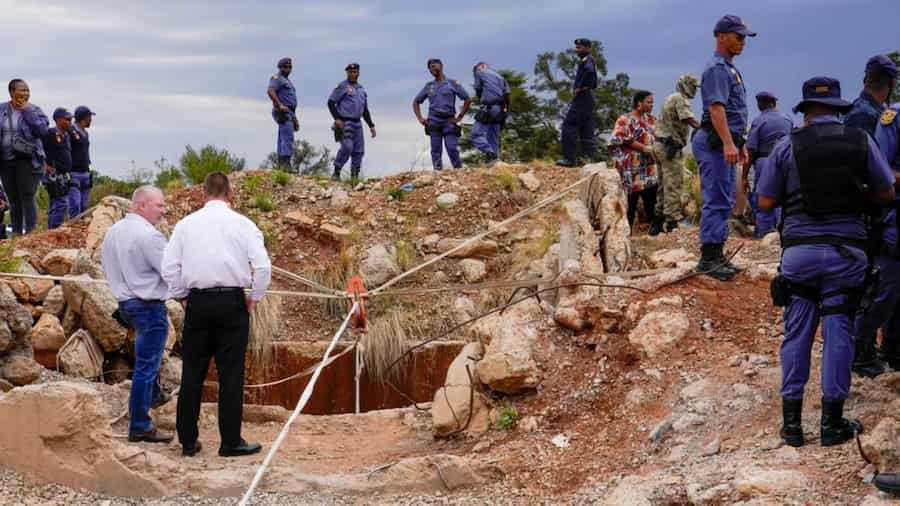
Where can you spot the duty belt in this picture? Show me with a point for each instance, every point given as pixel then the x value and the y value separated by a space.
pixel 833 240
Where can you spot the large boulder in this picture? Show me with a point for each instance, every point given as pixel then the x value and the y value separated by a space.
pixel 452 402
pixel 108 211
pixel 86 264
pixel 378 266
pixel 604 195
pixel 16 316
pixel 6 336
pixel 508 365
pixel 882 445
pixel 47 337
pixel 95 303
pixel 55 302
pixel 473 270
pixel 29 289
pixel 659 329
pixel 479 248
pixel 20 369
pixel 62 436
pixel 81 356
pixel 59 262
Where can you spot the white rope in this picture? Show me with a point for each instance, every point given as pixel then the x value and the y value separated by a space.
pixel 304 398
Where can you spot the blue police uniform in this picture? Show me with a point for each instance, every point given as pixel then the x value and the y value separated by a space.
pixel 823 259
pixel 765 131
pixel 350 103
pixel 721 83
pixel 80 182
pixel 58 150
pixel 441 96
pixel 579 124
pixel 885 309
pixel 284 90
pixel 865 113
pixel 493 90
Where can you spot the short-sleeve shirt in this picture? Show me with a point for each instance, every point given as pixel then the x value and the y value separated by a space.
pixel 766 130
pixel 441 96
pixel 723 84
pixel 492 85
pixel 351 99
pixel 780 177
pixel 676 109
pixel 637 170
pixel 887 135
pixel 864 113
pixel 284 90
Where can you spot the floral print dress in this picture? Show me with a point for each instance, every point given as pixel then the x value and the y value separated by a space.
pixel 637 170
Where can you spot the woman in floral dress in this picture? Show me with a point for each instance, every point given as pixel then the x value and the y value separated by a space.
pixel 631 147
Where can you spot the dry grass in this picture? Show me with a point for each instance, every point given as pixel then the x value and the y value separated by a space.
pixel 385 341
pixel 536 247
pixel 265 325
pixel 337 278
pixel 405 254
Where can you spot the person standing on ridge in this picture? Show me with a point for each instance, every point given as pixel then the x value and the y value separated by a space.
pixel 442 124
pixel 577 130
pixel 348 103
pixel 284 111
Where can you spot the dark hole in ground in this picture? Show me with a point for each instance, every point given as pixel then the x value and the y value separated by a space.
pixel 334 393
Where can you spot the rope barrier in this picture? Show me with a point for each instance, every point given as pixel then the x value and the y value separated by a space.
pixel 301 403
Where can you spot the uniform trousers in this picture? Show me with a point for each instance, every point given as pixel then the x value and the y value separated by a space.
pixel 578 128
pixel 766 221
pixel 885 309
pixel 826 268
pixel 285 146
pixel 486 136
pixel 216 326
pixel 353 146
pixel 79 192
pixel 442 131
pixel 671 183
pixel 717 187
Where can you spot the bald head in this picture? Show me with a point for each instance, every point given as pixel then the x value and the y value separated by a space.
pixel 147 201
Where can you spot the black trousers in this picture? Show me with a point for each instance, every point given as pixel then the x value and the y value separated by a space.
pixel 648 195
pixel 216 325
pixel 21 184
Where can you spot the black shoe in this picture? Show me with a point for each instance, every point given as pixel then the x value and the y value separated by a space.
pixel 336 175
pixel 191 450
pixel 151 436
pixel 792 413
pixel 566 163
pixel 671 225
pixel 240 450
pixel 711 265
pixel 835 428
pixel 865 361
pixel 890 352
pixel 888 482
pixel 161 400
pixel 656 226
pixel 721 258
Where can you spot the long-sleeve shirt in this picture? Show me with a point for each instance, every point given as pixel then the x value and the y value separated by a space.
pixel 216 247
pixel 81 149
pixel 58 150
pixel 131 255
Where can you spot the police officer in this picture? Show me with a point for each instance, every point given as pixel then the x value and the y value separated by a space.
pixel 578 124
pixel 765 131
pixel 885 309
pixel 59 164
pixel 442 124
pixel 81 180
pixel 880 76
pixel 348 103
pixel 719 143
pixel 671 136
pixel 824 176
pixel 284 108
pixel 493 91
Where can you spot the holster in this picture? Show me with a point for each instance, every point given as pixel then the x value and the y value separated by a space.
pixel 338 133
pixel 778 289
pixel 672 147
pixel 714 142
pixel 57 185
pixel 280 116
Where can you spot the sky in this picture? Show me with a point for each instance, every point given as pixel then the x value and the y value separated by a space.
pixel 161 75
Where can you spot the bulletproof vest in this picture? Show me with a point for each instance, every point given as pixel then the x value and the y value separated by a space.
pixel 832 161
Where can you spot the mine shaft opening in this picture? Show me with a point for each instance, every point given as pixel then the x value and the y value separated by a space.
pixel 419 377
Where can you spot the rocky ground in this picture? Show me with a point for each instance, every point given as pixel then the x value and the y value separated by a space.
pixel 588 395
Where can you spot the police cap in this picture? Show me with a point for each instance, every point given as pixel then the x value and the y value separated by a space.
pixel 732 24
pixel 881 64
pixel 583 42
pixel 352 66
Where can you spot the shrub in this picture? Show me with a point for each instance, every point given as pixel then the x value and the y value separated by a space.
pixel 509 417
pixel 508 181
pixel 281 178
pixel 252 183
pixel 405 254
pixel 263 202
pixel 8 262
pixel 170 177
pixel 196 165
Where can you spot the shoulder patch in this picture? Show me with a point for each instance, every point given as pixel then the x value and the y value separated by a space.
pixel 888 116
pixel 457 83
pixel 584 58
pixel 275 77
pixel 338 85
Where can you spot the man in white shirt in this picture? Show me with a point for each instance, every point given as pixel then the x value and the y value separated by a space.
pixel 207 265
pixel 131 255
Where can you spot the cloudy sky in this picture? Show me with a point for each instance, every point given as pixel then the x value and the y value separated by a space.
pixel 164 74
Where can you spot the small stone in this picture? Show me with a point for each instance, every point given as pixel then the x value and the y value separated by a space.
pixel 473 270
pixel 481 447
pixel 530 181
pixel 529 424
pixel 447 200
pixel 660 430
pixel 560 441
pixel 712 448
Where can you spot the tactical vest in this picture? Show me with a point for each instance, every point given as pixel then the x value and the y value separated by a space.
pixel 832 161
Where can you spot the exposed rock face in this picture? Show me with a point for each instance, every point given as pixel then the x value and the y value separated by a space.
pixel 20 369
pixel 95 304
pixel 670 257
pixel 16 316
pixel 59 262
pixel 658 329
pixel 6 336
pixel 47 337
pixel 751 482
pixel 480 248
pixel 29 290
pixel 882 445
pixel 508 365
pixel 55 302
pixel 82 357
pixel 62 436
pixel 473 270
pixel 109 210
pixel 450 410
pixel 463 309
pixel 605 195
pixel 379 266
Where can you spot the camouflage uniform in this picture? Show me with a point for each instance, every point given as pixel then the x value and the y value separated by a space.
pixel 671 126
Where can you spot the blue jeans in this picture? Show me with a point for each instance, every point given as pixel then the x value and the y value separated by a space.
pixel 827 268
pixel 151 325
pixel 717 187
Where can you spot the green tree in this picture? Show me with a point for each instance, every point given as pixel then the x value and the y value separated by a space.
pixel 307 159
pixel 196 165
pixel 895 96
pixel 167 174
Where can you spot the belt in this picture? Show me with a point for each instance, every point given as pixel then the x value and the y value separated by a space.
pixel 787 242
pixel 218 289
pixel 348 119
pixel 148 301
pixel 442 116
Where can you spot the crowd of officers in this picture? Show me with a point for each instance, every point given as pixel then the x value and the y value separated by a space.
pixel 34 152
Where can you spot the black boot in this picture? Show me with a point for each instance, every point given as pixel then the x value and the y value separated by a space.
pixel 792 413
pixel 284 163
pixel 865 360
pixel 890 351
pixel 888 482
pixel 711 265
pixel 336 175
pixel 565 163
pixel 671 225
pixel 656 225
pixel 354 175
pixel 720 256
pixel 835 428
